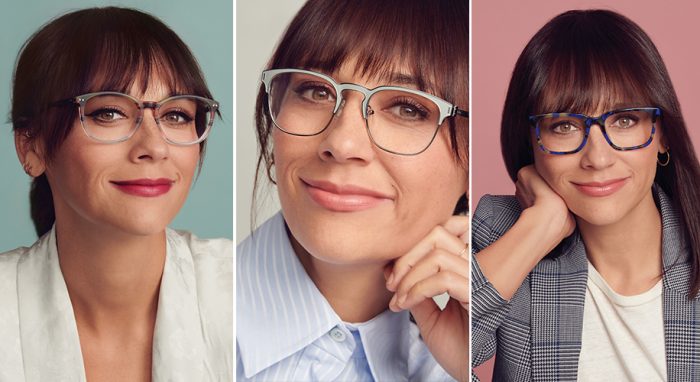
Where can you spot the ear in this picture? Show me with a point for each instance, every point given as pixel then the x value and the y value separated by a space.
pixel 663 143
pixel 28 154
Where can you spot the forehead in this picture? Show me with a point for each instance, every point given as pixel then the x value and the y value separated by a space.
pixel 392 74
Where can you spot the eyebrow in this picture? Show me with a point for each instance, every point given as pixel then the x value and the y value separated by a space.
pixel 403 79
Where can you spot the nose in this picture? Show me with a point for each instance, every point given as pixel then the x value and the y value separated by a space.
pixel 597 154
pixel 346 138
pixel 148 142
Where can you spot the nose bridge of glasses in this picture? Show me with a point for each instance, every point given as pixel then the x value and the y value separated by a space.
pixel 600 121
pixel 342 99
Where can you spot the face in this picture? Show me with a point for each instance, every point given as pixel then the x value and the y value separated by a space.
pixel 135 187
pixel 348 202
pixel 599 184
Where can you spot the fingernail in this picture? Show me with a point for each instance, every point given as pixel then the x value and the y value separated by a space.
pixel 390 279
pixel 402 299
pixel 393 301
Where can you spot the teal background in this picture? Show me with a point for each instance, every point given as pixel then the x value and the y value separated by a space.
pixel 206 27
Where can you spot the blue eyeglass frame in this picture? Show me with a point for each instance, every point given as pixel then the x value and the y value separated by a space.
pixel 447 109
pixel 600 121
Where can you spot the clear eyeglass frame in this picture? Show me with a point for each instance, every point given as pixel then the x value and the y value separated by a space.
pixel 600 121
pixel 447 109
pixel 82 100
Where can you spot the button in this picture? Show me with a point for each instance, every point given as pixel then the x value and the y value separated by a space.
pixel 337 335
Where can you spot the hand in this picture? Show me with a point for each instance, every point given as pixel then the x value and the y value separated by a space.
pixel 438 264
pixel 532 191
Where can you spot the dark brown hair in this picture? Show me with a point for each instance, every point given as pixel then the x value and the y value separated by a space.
pixel 584 59
pixel 95 49
pixel 431 38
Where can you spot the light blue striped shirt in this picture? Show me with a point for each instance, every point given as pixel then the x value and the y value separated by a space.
pixel 287 331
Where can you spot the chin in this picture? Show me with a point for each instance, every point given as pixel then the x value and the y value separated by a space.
pixel 330 246
pixel 600 212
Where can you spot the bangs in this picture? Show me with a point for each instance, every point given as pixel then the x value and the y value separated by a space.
pixel 383 39
pixel 592 68
pixel 587 87
pixel 91 50
pixel 107 69
pixel 115 49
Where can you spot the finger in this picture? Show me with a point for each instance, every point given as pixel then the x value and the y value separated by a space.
pixel 451 283
pixel 437 261
pixel 438 238
pixel 457 225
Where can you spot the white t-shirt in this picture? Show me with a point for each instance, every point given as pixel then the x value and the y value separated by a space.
pixel 623 336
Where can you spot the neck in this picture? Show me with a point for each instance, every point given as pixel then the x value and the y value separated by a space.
pixel 627 253
pixel 357 292
pixel 112 278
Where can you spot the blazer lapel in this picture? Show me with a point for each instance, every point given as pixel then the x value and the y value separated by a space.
pixel 681 314
pixel 558 288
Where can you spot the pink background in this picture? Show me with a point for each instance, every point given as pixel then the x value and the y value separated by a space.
pixel 500 30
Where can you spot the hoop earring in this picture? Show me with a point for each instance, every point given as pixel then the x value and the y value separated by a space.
pixel 664 163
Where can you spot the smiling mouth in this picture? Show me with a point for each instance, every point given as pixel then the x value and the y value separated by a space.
pixel 144 187
pixel 601 189
pixel 344 198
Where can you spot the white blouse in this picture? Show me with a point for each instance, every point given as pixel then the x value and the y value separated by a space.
pixel 194 325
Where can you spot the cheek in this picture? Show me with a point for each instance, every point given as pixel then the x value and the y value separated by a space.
pixel 186 159
pixel 290 152
pixel 554 169
pixel 429 185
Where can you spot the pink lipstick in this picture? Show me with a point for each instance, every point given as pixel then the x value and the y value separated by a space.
pixel 343 198
pixel 600 189
pixel 144 187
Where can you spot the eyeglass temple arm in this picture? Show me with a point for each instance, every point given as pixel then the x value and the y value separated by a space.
pixel 460 112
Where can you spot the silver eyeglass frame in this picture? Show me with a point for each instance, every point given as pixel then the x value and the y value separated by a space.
pixel 446 109
pixel 81 100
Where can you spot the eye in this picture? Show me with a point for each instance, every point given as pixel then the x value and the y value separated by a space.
pixel 564 127
pixel 624 122
pixel 176 117
pixel 316 92
pixel 106 115
pixel 408 109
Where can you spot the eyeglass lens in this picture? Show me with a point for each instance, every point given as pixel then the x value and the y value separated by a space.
pixel 625 129
pixel 115 117
pixel 398 121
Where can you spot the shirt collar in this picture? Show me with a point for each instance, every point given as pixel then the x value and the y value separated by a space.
pixel 280 311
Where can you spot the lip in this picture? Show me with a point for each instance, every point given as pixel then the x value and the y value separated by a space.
pixel 343 198
pixel 601 189
pixel 145 187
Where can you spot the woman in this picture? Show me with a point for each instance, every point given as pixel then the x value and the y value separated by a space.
pixel 591 272
pixel 110 113
pixel 356 128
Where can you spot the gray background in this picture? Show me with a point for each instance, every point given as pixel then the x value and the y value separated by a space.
pixel 259 26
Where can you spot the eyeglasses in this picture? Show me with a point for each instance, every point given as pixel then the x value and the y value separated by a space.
pixel 623 129
pixel 112 117
pixel 398 120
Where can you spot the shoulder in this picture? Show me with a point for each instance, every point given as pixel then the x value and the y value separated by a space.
pixel 214 255
pixel 265 245
pixel 10 259
pixel 271 232
pixel 211 259
pixel 494 215
pixel 9 262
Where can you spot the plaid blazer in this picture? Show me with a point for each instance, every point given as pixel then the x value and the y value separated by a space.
pixel 537 334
